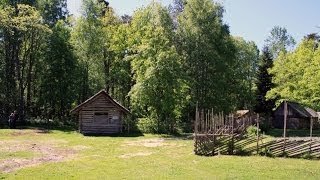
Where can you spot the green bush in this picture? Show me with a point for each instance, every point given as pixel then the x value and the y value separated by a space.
pixel 307 155
pixel 266 152
pixel 284 154
pixel 147 125
pixel 130 125
pixel 241 152
pixel 252 130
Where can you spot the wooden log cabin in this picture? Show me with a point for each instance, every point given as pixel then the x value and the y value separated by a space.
pixel 100 114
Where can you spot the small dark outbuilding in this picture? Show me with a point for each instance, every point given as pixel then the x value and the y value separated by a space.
pixel 245 116
pixel 100 114
pixel 298 117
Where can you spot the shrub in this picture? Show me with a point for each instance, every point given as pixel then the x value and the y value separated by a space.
pixel 266 152
pixel 252 130
pixel 284 154
pixel 307 155
pixel 241 152
pixel 130 125
pixel 147 125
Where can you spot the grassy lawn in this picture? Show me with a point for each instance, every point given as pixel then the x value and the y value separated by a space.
pixel 30 154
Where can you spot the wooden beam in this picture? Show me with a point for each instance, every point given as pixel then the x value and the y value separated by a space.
pixel 196 120
pixel 311 127
pixel 285 112
pixel 258 133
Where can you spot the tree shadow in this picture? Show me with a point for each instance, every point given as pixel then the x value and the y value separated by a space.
pixel 182 136
pixel 134 134
pixel 293 133
pixel 45 129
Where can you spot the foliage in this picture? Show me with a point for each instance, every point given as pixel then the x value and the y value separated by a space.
pixel 252 130
pixel 53 10
pixel 247 56
pixel 23 34
pixel 264 83
pixel 296 75
pixel 147 125
pixel 160 62
pixel 159 87
pixel 266 152
pixel 208 53
pixel 279 41
pixel 58 85
pixel 88 42
pixel 307 155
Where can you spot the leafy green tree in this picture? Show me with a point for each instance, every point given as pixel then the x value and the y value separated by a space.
pixel 88 41
pixel 120 72
pixel 208 54
pixel 53 10
pixel 158 90
pixel 23 30
pixel 279 40
pixel 100 39
pixel 245 69
pixel 296 75
pixel 58 81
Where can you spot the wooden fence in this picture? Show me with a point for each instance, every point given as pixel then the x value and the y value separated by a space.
pixel 224 134
pixel 247 145
pixel 213 131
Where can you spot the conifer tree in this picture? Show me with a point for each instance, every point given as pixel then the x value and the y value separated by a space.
pixel 264 84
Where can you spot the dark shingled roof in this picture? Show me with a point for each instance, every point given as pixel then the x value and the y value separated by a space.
pixel 303 111
pixel 78 108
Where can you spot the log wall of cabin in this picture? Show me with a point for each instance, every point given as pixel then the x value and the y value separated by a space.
pixel 92 118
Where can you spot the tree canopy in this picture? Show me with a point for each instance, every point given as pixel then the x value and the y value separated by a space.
pixel 296 75
pixel 160 62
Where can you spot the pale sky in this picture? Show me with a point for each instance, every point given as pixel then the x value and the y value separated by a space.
pixel 250 19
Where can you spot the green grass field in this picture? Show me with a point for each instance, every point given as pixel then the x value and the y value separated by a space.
pixel 33 154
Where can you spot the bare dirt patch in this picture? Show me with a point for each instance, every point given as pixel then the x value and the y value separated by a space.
pixel 146 143
pixel 46 151
pixel 125 156
pixel 152 143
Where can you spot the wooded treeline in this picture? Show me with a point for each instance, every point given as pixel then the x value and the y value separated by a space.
pixel 160 62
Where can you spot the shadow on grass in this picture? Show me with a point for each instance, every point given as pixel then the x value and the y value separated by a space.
pixel 293 133
pixel 135 134
pixel 42 129
pixel 182 136
pixel 45 129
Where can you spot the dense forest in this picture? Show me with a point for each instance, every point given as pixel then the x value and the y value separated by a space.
pixel 160 62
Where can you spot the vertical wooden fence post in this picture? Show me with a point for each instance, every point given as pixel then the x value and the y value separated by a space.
pixel 196 130
pixel 258 119
pixel 232 133
pixel 285 111
pixel 311 127
pixel 196 121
